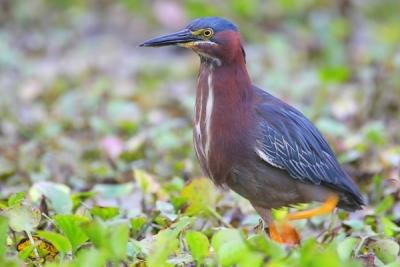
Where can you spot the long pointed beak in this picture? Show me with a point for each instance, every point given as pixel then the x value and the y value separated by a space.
pixel 181 37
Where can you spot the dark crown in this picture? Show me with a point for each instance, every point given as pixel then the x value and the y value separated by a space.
pixel 215 23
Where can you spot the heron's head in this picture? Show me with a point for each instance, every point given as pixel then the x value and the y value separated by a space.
pixel 213 38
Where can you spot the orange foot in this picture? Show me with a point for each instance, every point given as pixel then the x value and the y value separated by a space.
pixel 284 233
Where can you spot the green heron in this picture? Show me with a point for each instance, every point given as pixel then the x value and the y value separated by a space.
pixel 261 147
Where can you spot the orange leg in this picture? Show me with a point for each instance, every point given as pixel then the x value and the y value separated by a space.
pixel 284 232
pixel 289 235
pixel 328 206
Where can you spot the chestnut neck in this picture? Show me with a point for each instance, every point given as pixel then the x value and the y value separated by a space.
pixel 229 77
pixel 224 100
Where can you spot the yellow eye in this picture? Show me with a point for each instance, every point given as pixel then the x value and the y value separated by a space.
pixel 207 33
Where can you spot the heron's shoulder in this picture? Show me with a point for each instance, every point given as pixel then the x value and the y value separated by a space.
pixel 271 106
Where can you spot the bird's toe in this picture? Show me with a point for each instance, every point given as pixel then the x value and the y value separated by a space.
pixel 284 233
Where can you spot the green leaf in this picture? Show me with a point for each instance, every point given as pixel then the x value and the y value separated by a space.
pixel 345 247
pixel 119 235
pixel 166 242
pixel 91 257
pixel 385 204
pixel 23 218
pixel 229 246
pixel 386 250
pixel 198 244
pixel 60 242
pixel 267 246
pixel 326 257
pixel 251 259
pixel 16 199
pixel 225 235
pixel 78 198
pixel 3 236
pixel 314 254
pixel 137 225
pixel 307 251
pixel 57 194
pixel 70 225
pixel 393 264
pixel 105 213
pixel 97 232
pixel 200 196
pixel 181 224
pixel 109 237
pixel 389 227
pixel 231 253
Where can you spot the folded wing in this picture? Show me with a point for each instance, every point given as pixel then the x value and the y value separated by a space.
pixel 289 141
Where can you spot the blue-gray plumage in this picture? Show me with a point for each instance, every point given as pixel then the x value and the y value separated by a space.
pixel 289 141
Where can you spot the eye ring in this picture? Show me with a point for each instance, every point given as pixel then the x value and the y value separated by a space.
pixel 208 32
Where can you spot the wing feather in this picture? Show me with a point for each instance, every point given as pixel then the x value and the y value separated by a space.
pixel 289 141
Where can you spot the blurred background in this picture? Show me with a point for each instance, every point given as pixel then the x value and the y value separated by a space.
pixel 82 104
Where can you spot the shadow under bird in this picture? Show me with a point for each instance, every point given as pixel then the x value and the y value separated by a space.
pixel 262 148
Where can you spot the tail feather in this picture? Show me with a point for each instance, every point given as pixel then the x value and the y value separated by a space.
pixel 350 198
pixel 350 201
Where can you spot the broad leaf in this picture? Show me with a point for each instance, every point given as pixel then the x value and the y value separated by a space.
pixel 57 194
pixel 70 225
pixel 60 242
pixel 200 196
pixel 198 244
pixel 23 218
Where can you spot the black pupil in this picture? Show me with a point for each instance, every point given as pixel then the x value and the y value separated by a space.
pixel 207 33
